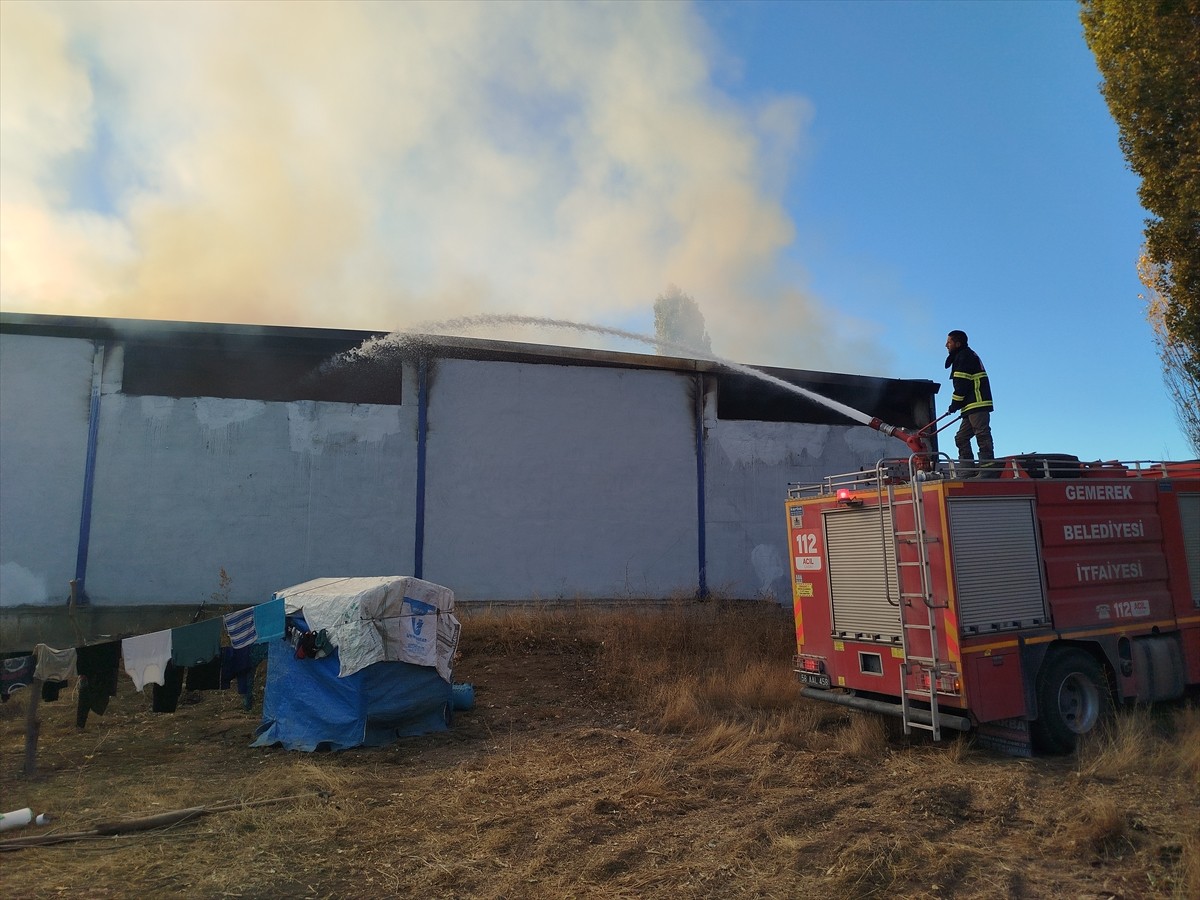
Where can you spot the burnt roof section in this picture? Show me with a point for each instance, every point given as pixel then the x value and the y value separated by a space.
pixel 903 402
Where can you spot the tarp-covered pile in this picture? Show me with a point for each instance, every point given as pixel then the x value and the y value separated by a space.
pixel 389 676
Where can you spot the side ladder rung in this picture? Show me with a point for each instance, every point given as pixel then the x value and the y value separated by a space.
pixel 917 693
pixel 928 605
pixel 923 537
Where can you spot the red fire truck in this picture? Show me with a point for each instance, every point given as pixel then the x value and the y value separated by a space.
pixel 1022 606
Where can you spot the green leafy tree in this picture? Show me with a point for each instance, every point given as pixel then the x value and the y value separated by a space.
pixel 678 323
pixel 1184 390
pixel 1149 54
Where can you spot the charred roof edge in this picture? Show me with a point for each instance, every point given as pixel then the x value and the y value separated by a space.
pixel 121 329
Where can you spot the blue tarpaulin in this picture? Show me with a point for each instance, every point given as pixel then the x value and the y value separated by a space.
pixel 306 706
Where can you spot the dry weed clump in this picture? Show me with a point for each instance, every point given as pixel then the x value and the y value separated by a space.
pixel 1184 861
pixel 871 865
pixel 1140 741
pixel 802 726
pixel 680 705
pixel 521 629
pixel 763 684
pixel 722 743
pixel 865 737
pixel 1185 746
pixel 1128 744
pixel 698 660
pixel 1096 827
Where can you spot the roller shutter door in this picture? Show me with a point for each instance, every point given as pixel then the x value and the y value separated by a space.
pixel 862 574
pixel 1189 512
pixel 997 564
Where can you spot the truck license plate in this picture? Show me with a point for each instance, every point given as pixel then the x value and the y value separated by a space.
pixel 814 679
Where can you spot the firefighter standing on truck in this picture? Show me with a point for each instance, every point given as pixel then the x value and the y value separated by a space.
pixel 972 393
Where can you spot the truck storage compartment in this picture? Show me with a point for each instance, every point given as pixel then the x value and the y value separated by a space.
pixel 862 566
pixel 997 564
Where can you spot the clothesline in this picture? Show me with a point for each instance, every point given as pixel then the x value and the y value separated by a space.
pixel 148 658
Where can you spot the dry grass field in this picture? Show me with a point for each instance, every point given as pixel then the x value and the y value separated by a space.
pixel 609 754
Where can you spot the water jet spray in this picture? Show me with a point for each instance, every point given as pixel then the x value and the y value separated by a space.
pixel 916 442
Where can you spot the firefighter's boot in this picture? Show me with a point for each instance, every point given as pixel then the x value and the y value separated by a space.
pixel 966 460
pixel 988 467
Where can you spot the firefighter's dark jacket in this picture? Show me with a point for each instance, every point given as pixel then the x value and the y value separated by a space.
pixel 972 390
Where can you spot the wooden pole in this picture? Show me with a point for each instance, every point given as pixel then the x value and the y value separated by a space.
pixel 160 820
pixel 32 728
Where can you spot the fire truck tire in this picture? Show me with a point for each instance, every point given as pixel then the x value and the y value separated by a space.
pixel 1073 698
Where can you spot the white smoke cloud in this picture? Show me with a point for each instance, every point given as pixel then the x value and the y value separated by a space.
pixel 376 165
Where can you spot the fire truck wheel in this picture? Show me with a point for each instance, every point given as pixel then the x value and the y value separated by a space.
pixel 1073 697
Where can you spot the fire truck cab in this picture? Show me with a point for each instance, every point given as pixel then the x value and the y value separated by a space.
pixel 1021 606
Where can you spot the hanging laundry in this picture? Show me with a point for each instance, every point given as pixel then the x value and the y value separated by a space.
pixel 51 690
pixel 54 665
pixel 269 620
pixel 165 696
pixel 196 644
pixel 98 666
pixel 206 677
pixel 16 672
pixel 146 657
pixel 235 663
pixel 240 628
pixel 293 632
pixel 241 663
pixel 314 645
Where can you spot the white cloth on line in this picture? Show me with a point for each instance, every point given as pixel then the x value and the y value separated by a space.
pixel 146 657
pixel 54 665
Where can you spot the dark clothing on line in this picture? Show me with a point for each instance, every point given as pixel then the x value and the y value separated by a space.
pixel 166 695
pixel 240 664
pixel 97 666
pixel 16 672
pixel 206 677
pixel 235 663
pixel 196 644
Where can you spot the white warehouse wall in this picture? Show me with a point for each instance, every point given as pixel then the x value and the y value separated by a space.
pixel 45 392
pixel 560 482
pixel 273 493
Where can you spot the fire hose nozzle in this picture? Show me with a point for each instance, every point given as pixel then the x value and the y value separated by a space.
pixel 915 442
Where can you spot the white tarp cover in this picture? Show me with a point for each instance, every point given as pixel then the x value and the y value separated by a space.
pixel 378 618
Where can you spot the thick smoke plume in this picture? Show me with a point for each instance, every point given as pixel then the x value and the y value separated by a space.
pixel 371 165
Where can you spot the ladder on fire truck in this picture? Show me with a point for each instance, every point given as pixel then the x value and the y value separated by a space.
pixel 911 550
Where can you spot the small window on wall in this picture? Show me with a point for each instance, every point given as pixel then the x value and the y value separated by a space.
pixel 245 368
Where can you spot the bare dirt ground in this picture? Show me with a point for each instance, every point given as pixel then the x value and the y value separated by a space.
pixel 601 761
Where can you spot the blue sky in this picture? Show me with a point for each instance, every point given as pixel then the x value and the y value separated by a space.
pixel 838 184
pixel 964 172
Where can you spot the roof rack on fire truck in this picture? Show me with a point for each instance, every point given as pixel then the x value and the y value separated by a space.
pixel 940 467
pixel 898 470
